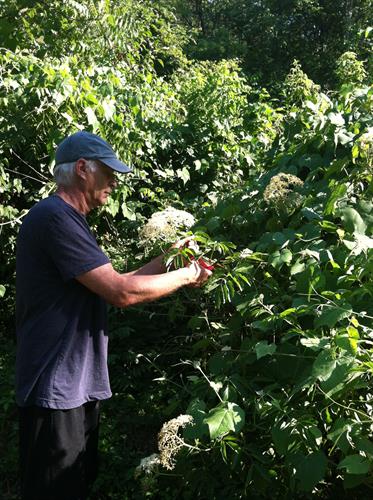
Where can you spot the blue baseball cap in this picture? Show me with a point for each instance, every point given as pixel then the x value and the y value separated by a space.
pixel 91 147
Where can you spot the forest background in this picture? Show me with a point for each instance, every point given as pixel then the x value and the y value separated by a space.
pixel 256 118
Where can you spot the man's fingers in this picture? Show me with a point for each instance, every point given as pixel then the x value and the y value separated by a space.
pixel 188 242
pixel 201 275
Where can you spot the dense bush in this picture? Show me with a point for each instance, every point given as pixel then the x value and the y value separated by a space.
pixel 272 359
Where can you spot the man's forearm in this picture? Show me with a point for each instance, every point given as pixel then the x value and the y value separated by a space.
pixel 140 287
pixel 155 266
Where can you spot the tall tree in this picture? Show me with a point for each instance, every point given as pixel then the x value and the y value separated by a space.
pixel 269 34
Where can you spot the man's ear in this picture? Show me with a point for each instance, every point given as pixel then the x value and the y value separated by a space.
pixel 81 168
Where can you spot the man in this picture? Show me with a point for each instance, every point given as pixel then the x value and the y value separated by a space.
pixel 63 283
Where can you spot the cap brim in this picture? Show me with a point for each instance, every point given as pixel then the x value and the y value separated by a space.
pixel 116 165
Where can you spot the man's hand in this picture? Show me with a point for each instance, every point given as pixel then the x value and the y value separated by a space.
pixel 188 242
pixel 199 275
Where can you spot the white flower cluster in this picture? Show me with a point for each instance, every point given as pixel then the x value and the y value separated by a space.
pixel 164 226
pixel 169 442
pixel 246 252
pixel 148 465
pixel 282 193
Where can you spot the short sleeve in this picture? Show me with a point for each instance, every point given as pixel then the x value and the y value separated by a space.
pixel 71 245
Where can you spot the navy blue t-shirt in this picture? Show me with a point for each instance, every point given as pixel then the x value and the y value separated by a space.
pixel 61 325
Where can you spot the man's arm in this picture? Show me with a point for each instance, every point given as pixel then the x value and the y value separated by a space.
pixel 155 266
pixel 123 290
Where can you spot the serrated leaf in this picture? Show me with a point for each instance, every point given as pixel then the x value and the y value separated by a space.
pixel 225 418
pixel 331 314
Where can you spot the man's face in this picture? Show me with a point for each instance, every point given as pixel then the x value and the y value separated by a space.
pixel 99 184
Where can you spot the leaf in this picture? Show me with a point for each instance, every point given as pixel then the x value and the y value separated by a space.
pixel 343 137
pixel 328 226
pixel 297 267
pixel 277 259
pixel 310 470
pixel 366 445
pixel 109 108
pixel 361 244
pixel 2 291
pixel 331 314
pixel 338 192
pixel 183 174
pixel 91 117
pixel 310 214
pixel 283 438
pixel 285 313
pixel 340 434
pixel 67 117
pixel 349 340
pixel 262 349
pixel 127 213
pixel 340 376
pixel 225 418
pixel 355 464
pixel 315 343
pixel 336 119
pixel 199 429
pixel 353 223
pixel 323 365
pixel 197 164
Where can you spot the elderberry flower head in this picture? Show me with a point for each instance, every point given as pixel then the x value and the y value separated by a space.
pixel 282 193
pixel 148 465
pixel 169 442
pixel 164 226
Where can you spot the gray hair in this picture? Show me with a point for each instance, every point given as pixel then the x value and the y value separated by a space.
pixel 64 172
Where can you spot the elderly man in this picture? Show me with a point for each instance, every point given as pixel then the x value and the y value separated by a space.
pixel 63 283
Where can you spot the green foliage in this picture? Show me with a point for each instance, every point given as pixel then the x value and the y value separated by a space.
pixel 136 34
pixel 268 35
pixel 272 358
pixel 350 69
pixel 298 87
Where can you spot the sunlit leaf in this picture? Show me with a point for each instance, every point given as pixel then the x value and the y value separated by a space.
pixel 225 418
